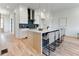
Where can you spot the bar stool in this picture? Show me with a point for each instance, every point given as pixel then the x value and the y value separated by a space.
pixel 51 45
pixel 45 43
pixel 47 46
pixel 57 38
pixel 62 34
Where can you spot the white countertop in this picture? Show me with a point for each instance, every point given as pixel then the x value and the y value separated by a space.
pixel 43 31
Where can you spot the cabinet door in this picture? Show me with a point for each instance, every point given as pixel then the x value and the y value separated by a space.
pixel 37 17
pixel 23 16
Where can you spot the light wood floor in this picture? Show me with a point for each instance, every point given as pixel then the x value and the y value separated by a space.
pixel 16 47
pixel 69 47
pixel 21 47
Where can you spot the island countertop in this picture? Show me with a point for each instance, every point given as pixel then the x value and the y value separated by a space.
pixel 42 31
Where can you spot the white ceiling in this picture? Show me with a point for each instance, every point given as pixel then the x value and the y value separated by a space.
pixel 48 6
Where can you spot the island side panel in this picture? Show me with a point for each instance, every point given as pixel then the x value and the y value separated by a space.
pixel 37 42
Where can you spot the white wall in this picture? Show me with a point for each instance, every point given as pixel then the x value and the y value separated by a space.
pixel 72 15
pixel 5 16
pixel 16 22
pixel 8 19
pixel 7 23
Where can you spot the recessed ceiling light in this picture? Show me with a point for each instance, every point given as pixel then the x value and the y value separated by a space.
pixel 15 11
pixel 7 7
pixel 44 10
pixel 21 8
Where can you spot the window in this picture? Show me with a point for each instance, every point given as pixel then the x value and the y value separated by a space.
pixel 1 21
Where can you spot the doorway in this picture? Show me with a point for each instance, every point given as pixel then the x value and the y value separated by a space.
pixel 6 24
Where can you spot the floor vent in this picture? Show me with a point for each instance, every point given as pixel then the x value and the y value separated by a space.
pixel 4 51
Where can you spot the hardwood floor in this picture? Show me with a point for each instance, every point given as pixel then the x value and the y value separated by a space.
pixel 21 47
pixel 16 47
pixel 69 47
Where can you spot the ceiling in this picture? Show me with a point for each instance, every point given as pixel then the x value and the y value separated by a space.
pixel 48 6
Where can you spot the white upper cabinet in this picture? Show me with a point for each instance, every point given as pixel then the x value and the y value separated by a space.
pixel 37 17
pixel 43 15
pixel 23 15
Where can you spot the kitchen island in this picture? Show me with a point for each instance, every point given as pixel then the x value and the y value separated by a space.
pixel 36 36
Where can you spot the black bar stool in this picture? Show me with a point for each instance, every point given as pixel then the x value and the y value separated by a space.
pixel 45 43
pixel 47 47
pixel 51 47
pixel 62 34
pixel 57 38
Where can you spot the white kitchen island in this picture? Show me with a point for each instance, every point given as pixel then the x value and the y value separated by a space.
pixel 35 36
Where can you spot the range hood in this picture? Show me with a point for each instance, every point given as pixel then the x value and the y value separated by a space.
pixel 31 19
